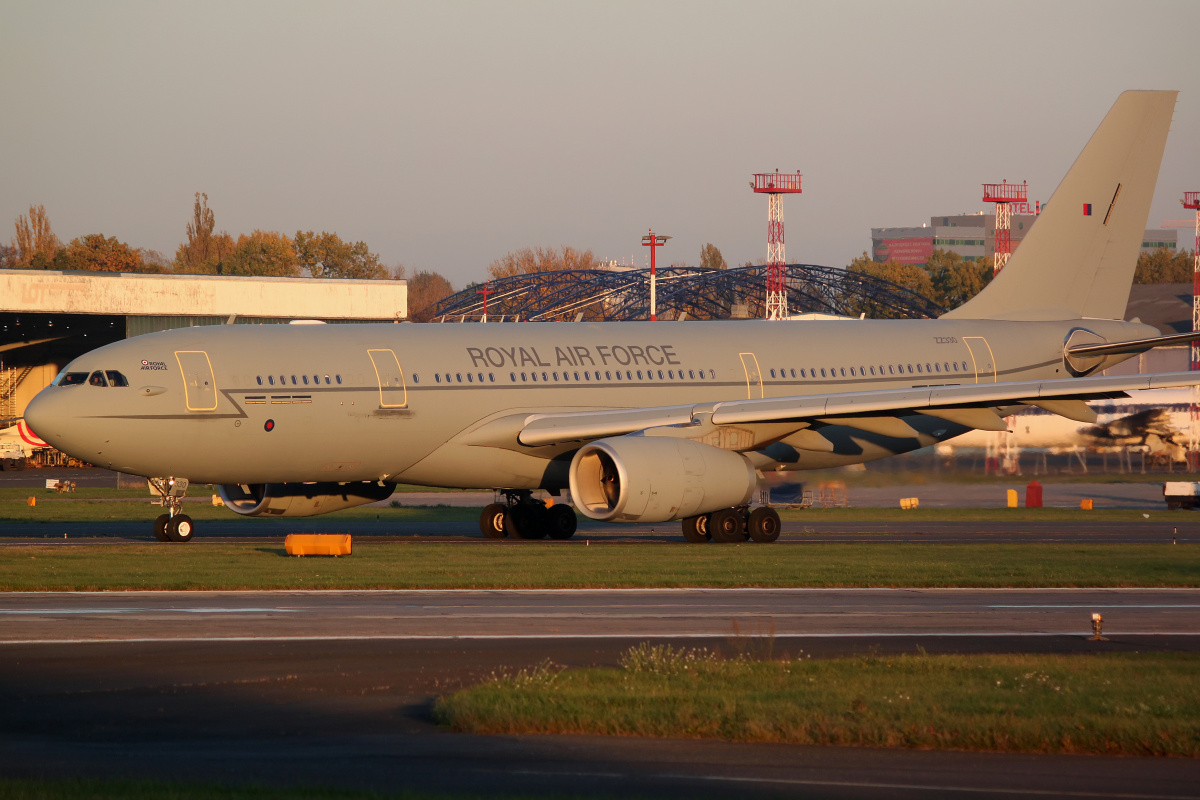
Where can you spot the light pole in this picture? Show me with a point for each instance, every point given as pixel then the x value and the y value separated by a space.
pixel 485 291
pixel 654 242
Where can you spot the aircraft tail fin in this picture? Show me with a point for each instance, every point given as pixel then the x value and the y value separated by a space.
pixel 1078 259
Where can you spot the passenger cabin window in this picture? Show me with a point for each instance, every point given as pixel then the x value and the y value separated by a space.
pixel 259 379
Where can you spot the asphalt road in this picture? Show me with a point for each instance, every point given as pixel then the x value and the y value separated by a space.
pixel 335 688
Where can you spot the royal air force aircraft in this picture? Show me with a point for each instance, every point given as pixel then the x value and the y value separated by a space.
pixel 642 421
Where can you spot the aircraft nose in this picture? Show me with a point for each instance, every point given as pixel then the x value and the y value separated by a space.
pixel 50 416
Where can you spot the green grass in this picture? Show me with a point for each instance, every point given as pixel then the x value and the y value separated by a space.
pixel 1103 704
pixel 518 565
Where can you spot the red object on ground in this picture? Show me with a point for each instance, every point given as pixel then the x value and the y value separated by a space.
pixel 1033 495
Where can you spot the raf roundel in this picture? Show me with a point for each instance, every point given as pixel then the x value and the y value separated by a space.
pixel 269 425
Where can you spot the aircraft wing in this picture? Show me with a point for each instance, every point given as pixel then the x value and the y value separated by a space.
pixel 968 404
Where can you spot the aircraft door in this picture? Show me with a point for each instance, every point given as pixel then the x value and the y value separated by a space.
pixel 982 358
pixel 393 392
pixel 754 386
pixel 199 385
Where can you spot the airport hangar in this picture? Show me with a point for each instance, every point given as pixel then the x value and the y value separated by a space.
pixel 49 317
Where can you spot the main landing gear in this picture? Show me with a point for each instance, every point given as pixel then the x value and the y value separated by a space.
pixel 174 526
pixel 731 525
pixel 522 517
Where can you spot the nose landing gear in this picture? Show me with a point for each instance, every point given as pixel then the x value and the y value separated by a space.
pixel 522 517
pixel 174 526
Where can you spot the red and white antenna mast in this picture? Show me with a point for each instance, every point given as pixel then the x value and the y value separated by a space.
pixel 1192 200
pixel 1004 195
pixel 774 185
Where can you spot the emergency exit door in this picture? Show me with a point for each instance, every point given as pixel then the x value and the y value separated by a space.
pixel 754 387
pixel 393 393
pixel 982 359
pixel 199 385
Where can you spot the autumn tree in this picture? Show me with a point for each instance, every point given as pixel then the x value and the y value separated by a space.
pixel 36 243
pixel 203 250
pixel 711 258
pixel 263 253
pixel 8 256
pixel 325 255
pixel 955 279
pixel 424 290
pixel 910 276
pixel 98 253
pixel 1164 266
pixel 542 259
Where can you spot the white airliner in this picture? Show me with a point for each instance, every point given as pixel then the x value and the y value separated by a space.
pixel 642 421
pixel 16 445
pixel 1158 420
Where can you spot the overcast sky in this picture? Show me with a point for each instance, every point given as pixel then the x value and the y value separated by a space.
pixel 445 134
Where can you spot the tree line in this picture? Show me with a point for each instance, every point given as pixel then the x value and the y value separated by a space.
pixel 205 252
pixel 947 278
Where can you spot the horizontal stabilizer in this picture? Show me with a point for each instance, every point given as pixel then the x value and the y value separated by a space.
pixel 1133 346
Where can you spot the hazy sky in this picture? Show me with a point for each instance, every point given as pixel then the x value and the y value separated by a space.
pixel 445 134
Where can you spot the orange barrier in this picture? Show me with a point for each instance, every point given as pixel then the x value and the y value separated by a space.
pixel 317 544
pixel 1086 504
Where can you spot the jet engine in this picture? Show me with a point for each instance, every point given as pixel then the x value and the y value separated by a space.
pixel 300 499
pixel 657 478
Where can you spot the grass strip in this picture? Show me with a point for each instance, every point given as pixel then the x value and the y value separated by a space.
pixel 524 565
pixel 1126 704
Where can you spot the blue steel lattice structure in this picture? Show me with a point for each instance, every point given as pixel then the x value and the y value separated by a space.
pixel 610 295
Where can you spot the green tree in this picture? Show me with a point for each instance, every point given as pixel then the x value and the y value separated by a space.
pixel 955 279
pixel 424 290
pixel 910 276
pixel 325 255
pixel 98 253
pixel 263 253
pixel 1164 266
pixel 36 243
pixel 711 258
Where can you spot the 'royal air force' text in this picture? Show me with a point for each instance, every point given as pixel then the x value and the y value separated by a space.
pixel 575 356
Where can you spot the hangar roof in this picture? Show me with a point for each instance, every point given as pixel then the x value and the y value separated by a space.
pixel 136 294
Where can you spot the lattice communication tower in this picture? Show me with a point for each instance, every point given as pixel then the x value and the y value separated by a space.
pixel 1004 195
pixel 774 185
pixel 1192 200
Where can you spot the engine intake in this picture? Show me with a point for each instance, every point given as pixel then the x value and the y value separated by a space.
pixel 300 499
pixel 656 479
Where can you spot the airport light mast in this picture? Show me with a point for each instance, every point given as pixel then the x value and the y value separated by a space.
pixel 1004 195
pixel 774 185
pixel 1192 200
pixel 653 241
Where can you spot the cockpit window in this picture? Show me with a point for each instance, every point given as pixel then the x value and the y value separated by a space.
pixel 73 379
pixel 116 378
pixel 97 379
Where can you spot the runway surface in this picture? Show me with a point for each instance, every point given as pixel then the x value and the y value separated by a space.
pixel 335 688
pixel 81 617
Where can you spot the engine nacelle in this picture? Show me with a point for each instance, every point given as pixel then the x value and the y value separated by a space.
pixel 657 478
pixel 300 499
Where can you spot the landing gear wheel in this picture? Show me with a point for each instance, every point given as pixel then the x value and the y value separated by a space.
pixel 491 521
pixel 763 525
pixel 695 529
pixel 561 522
pixel 160 527
pixel 727 526
pixel 525 522
pixel 180 528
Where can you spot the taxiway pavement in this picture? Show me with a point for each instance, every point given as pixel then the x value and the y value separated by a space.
pixel 335 688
